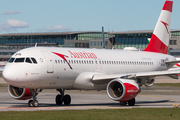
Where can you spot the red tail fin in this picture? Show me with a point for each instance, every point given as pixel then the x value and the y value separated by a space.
pixel 160 39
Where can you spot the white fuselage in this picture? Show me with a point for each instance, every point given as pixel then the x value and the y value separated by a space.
pixel 53 72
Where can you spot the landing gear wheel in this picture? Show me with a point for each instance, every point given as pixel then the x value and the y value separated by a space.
pixel 30 103
pixel 59 100
pixel 123 103
pixel 132 102
pixel 67 100
pixel 35 103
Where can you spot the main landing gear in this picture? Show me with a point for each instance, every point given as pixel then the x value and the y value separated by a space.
pixel 34 102
pixel 130 102
pixel 60 98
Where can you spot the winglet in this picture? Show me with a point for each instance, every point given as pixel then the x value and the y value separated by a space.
pixel 160 38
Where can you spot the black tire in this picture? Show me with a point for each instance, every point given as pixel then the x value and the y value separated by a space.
pixel 35 103
pixel 30 103
pixel 123 103
pixel 67 100
pixel 59 100
pixel 132 102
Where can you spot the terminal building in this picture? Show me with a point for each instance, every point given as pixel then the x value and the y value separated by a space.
pixel 10 43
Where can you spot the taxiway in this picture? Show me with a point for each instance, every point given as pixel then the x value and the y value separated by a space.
pixel 150 97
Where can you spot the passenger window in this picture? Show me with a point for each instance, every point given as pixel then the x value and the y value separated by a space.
pixel 34 60
pixel 11 60
pixel 28 60
pixel 19 60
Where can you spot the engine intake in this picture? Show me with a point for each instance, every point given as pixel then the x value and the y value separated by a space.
pixel 122 89
pixel 19 93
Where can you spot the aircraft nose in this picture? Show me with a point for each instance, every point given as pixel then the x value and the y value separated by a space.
pixel 8 75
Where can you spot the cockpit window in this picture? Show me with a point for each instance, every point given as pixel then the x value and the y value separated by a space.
pixel 34 60
pixel 19 60
pixel 11 60
pixel 28 60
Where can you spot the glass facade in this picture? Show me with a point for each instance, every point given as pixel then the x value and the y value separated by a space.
pixel 5 40
pixel 137 40
pixel 91 36
pixel 175 33
pixel 27 40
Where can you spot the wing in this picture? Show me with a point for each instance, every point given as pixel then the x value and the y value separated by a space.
pixel 105 78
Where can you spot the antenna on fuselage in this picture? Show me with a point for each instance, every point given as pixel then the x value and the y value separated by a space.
pixel 103 42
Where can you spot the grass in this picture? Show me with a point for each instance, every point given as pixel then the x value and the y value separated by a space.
pixel 109 114
pixel 168 84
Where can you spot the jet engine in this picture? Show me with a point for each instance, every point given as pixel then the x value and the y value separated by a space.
pixel 122 89
pixel 149 82
pixel 19 93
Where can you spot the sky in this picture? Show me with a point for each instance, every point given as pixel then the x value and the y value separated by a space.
pixel 35 16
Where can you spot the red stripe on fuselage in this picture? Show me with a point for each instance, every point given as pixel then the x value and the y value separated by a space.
pixel 63 57
pixel 156 45
pixel 168 6
pixel 177 65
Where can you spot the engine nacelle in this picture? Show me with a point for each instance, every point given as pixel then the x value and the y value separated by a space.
pixel 122 89
pixel 19 93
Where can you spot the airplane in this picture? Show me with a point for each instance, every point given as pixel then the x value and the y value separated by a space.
pixel 121 73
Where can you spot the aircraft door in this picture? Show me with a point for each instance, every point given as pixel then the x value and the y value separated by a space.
pixel 49 60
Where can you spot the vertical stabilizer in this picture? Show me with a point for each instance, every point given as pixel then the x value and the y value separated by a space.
pixel 160 38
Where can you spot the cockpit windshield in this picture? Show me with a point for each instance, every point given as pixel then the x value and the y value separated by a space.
pixel 11 60
pixel 28 60
pixel 18 60
pixel 34 60
pixel 22 60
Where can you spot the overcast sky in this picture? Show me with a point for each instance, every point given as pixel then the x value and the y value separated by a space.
pixel 26 16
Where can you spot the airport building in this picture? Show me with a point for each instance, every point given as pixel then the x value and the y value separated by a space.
pixel 10 43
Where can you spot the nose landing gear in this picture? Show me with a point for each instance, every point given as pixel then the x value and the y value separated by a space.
pixel 34 102
pixel 60 98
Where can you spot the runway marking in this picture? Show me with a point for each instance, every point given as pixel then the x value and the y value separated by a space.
pixel 150 96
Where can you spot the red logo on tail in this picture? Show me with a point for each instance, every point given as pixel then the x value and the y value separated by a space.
pixel 166 25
